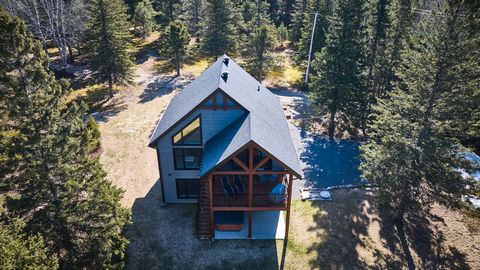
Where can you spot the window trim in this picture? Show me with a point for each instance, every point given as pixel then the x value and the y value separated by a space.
pixel 186 180
pixel 183 149
pixel 199 117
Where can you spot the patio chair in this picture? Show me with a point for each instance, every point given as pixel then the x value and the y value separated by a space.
pixel 239 183
pixel 227 189
pixel 277 195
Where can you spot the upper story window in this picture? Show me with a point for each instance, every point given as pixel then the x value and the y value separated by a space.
pixel 220 101
pixel 189 135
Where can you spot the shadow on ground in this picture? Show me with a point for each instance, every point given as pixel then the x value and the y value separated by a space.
pixel 345 228
pixel 163 237
pixel 329 162
pixel 162 85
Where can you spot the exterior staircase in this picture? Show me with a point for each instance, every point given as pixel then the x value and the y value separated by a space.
pixel 204 229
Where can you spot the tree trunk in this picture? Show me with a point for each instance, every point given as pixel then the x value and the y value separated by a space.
pixel 71 58
pixel 177 63
pixel 331 124
pixel 399 224
pixel 110 87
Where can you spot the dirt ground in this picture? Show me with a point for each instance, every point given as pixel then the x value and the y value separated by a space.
pixel 347 232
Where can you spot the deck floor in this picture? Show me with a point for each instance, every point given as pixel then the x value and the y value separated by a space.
pixel 265 225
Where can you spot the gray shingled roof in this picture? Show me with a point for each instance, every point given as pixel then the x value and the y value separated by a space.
pixel 265 123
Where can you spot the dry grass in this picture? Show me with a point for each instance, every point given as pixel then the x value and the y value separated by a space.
pixel 284 73
pixel 195 69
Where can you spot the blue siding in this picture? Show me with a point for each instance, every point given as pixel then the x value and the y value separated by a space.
pixel 212 122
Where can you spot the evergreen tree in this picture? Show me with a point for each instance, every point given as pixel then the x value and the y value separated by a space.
pixel 61 190
pixel 19 251
pixel 274 8
pixel 338 89
pixel 220 28
pixel 192 10
pixel 320 34
pixel 176 41
pixel 412 155
pixel 143 17
pixel 401 18
pixel 298 19
pixel 282 33
pixel 378 27
pixel 258 52
pixel 108 42
pixel 286 13
pixel 167 10
pixel 260 42
pixel 131 4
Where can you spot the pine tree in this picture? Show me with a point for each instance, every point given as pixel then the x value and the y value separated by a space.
pixel 286 13
pixel 412 154
pixel 378 27
pixel 282 33
pixel 131 4
pixel 220 28
pixel 258 55
pixel 274 8
pixel 260 42
pixel 61 190
pixel 191 16
pixel 176 41
pixel 167 10
pixel 401 18
pixel 298 19
pixel 19 251
pixel 320 34
pixel 338 89
pixel 143 17
pixel 108 42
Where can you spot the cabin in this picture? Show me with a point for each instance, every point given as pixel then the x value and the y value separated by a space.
pixel 224 143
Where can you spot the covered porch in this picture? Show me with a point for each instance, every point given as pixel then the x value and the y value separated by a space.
pixel 247 184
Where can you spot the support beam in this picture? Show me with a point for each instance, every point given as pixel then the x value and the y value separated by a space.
pixel 224 102
pixel 240 163
pixel 247 173
pixel 210 195
pixel 250 189
pixel 250 204
pixel 261 163
pixel 289 201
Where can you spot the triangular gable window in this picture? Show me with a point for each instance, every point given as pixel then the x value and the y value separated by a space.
pixel 219 101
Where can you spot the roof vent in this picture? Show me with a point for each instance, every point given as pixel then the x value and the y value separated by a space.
pixel 225 60
pixel 258 89
pixel 225 76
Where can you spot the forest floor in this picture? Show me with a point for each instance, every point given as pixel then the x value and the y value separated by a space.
pixel 348 232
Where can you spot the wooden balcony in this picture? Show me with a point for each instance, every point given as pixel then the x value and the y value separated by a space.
pixel 258 200
pixel 230 192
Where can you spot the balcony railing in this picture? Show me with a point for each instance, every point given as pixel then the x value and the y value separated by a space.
pixel 258 200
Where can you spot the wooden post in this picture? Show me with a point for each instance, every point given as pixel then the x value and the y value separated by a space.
pixel 250 204
pixel 289 200
pixel 250 189
pixel 210 190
